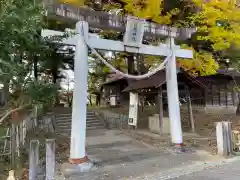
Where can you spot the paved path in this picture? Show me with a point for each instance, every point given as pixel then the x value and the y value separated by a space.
pixel 121 158
pixel 222 169
pixel 230 171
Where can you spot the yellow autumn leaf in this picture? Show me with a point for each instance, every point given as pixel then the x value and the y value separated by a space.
pixel 202 63
pixel 73 2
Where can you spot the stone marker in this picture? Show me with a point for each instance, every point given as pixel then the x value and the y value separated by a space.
pixel 224 138
pixel 50 159
pixel 33 159
pixel 155 127
pixel 228 127
pixel 221 145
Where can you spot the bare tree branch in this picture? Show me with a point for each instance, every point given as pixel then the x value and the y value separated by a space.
pixel 9 112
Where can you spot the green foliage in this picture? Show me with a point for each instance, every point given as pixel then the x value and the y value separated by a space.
pixel 26 90
pixel 38 90
pixel 21 48
pixel 19 26
pixel 54 58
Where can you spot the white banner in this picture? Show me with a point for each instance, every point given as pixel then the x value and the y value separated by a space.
pixel 133 109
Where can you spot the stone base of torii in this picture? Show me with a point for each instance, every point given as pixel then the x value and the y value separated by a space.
pixel 78 157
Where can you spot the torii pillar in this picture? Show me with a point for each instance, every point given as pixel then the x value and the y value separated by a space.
pixel 173 97
pixel 79 110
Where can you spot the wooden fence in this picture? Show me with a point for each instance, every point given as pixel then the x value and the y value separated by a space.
pixel 16 136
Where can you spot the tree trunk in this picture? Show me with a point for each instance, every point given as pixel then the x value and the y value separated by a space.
pixel 35 61
pixel 130 62
pixel 6 93
pixel 238 106
pixel 238 109
pixel 90 100
pixel 98 98
pixel 54 79
pixel 141 66
pixel 70 101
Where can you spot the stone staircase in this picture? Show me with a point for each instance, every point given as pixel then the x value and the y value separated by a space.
pixel 63 122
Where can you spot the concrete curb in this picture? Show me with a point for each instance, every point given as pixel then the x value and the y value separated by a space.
pixel 186 170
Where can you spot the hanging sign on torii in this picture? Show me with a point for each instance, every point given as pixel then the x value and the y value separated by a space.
pixel 133 44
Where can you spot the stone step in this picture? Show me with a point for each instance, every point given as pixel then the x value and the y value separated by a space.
pixel 70 117
pixel 63 118
pixel 61 126
pixel 91 116
pixel 70 113
pixel 69 124
pixel 69 120
pixel 93 121
pixel 63 122
pixel 69 129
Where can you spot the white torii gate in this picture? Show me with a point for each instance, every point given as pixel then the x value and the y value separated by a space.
pixel 132 43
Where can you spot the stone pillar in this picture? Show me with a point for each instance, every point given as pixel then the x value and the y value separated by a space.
pixel 50 159
pixel 33 159
pixel 224 138
pixel 228 127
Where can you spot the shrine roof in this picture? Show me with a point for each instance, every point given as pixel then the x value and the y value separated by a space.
pixel 113 79
pixel 229 72
pixel 158 79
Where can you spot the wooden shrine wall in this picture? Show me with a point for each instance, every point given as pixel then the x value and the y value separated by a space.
pixel 220 92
